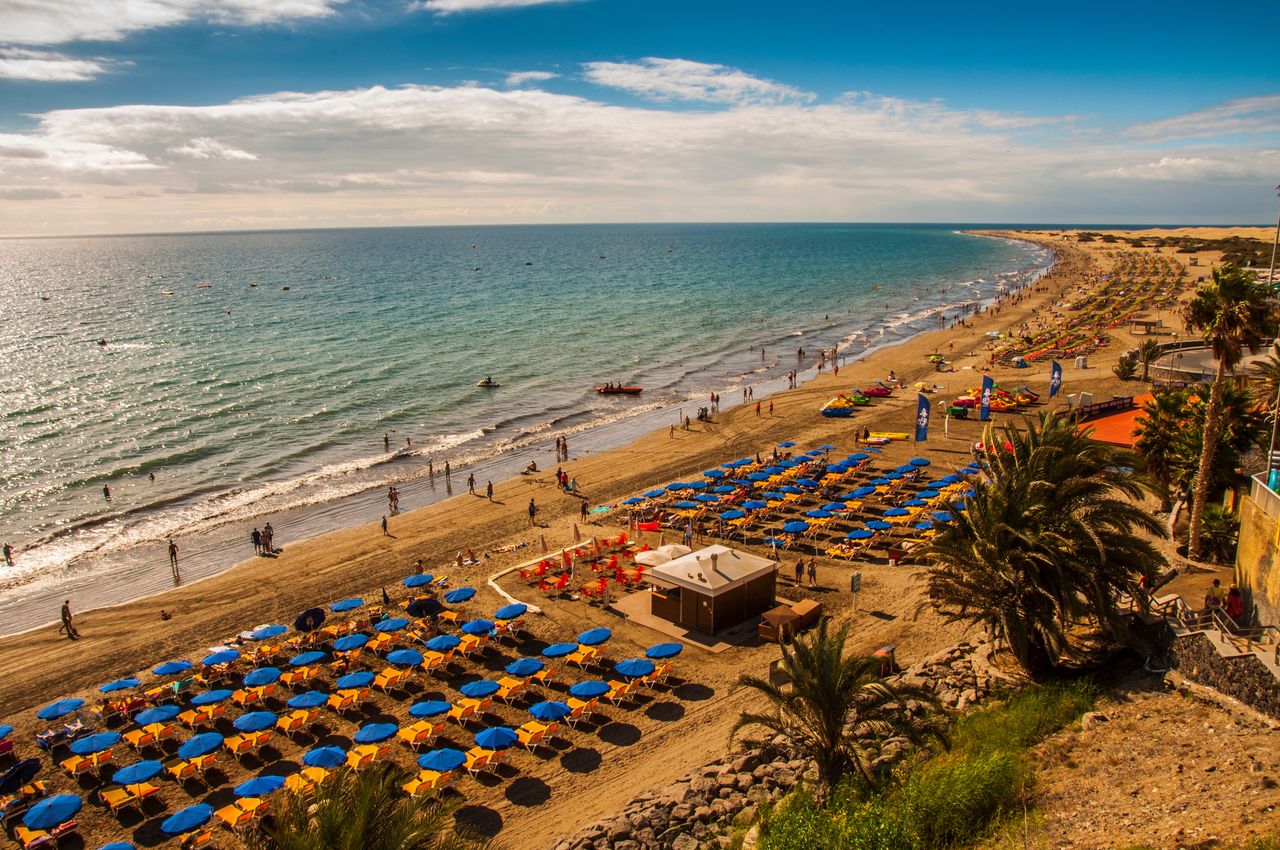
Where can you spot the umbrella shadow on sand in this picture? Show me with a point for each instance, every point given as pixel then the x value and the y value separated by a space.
pixel 481 819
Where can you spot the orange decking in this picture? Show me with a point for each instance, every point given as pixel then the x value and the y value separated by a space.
pixel 1117 429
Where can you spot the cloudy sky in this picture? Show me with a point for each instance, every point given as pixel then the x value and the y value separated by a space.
pixel 160 115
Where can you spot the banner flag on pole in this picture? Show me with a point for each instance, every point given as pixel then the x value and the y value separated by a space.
pixel 984 410
pixel 1055 378
pixel 922 418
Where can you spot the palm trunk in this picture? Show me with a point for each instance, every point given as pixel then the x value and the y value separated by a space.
pixel 1204 474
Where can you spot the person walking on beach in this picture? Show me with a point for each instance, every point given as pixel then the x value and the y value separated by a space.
pixel 106 492
pixel 8 555
pixel 268 540
pixel 757 410
pixel 173 554
pixel 471 483
pixel 488 490
pixel 799 571
pixel 533 512
pixel 813 572
pixel 256 537
pixel 386 442
pixel 771 407
pixel 447 471
pixel 67 625
pixel 385 533
pixel 584 510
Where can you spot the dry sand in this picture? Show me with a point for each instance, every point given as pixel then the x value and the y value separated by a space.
pixel 553 795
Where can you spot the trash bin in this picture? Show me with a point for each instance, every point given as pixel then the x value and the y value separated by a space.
pixel 1082 362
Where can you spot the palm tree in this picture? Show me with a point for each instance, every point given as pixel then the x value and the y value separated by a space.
pixel 837 710
pixel 1148 353
pixel 362 811
pixel 1164 419
pixel 1049 540
pixel 1269 372
pixel 1232 313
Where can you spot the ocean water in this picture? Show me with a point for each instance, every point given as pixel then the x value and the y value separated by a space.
pixel 257 373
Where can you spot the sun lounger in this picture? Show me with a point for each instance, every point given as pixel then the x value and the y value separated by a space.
pixel 180 769
pixel 299 677
pixel 31 837
pixel 466 709
pixel 420 733
pixel 427 781
pixel 480 760
pixel 619 692
pixel 579 710
pixel 233 817
pixel 583 656
pixel 203 763
pixel 201 839
pixel 364 756
pixel 78 766
pixel 510 689
pixel 238 745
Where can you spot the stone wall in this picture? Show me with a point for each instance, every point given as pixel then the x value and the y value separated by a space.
pixel 1257 563
pixel 1244 677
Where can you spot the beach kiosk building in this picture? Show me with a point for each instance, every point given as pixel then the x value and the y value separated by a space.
pixel 712 589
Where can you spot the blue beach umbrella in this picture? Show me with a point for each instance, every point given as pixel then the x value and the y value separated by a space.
pixel 460 594
pixel 905 469
pixel 733 514
pixel 52 811
pixel 942 516
pixel 172 668
pixel 878 525
pixel 675 487
pixel 61 708
pixel 302 659
pixel 655 494
pixel 559 650
pixel 525 666
pixel 706 498
pixel 480 688
pixel 188 819
pixel 589 690
pixel 553 710
pixel 343 605
pixel 419 580
pixel 324 757
pixel 896 512
pixel 959 506
pixel 860 534
pixel 407 657
pixel 211 697
pixel 914 503
pixel 595 637
pixel 826 447
pixel 199 745
pixel 254 721
pixel 443 643
pixel 696 485
pixel 786 444
pixel 308 699
pixel 634 668
pixel 863 492
pixel 495 738
pixel 928 494
pixel 510 612
pixel 685 505
pixel 267 632
pixel 259 786
pixel 818 513
pixel 834 506
pixel 442 760
pixel 261 676
pixel 950 479
pixel 159 714
pixel 919 461
pixel 755 504
pixel 773 541
pixel 477 627
pixel 893 476
pixel 722 490
pixel 790 490
pixel 118 845
pixel 774 470
pixel 350 642
pixel 391 624
pixel 837 468
pixel 857 457
pixel 353 681
pixel 878 482
pixel 19 775
pixel 925 525
pixel 743 482
pixel 224 656
pixel 664 650
pixel 429 708
pixel 796 526
pixel 808 483
pixel 788 464
pixel 119 685
pixel 309 620
pixel 91 744
pixel 757 477
pixel 374 733
pixel 634 500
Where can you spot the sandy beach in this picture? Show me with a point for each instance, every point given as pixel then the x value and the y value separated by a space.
pixel 641 747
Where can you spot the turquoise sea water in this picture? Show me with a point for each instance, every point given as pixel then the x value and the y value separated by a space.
pixel 247 400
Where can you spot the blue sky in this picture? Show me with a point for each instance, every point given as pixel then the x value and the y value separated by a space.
pixel 125 115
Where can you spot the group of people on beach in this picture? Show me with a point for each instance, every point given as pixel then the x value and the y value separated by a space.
pixel 393 499
pixel 562 450
pixel 262 540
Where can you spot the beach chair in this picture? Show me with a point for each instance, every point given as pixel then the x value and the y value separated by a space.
pixel 421 733
pixel 619 692
pixel 379 642
pixel 78 766
pixel 298 784
pixel 531 735
pixel 298 678
pixel 464 710
pixel 480 760
pixel 427 781
pixel 238 745
pixel 583 656
pixel 203 763
pixel 510 689
pixel 233 817
pixel 31 837
pixel 139 738
pixel 364 756
pixel 117 799
pixel 579 710
pixel 390 680
pixel 257 807
pixel 180 770
pixel 470 644
pixel 201 839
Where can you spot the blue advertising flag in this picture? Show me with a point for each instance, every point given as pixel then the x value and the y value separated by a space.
pixel 922 418
pixel 1055 378
pixel 984 409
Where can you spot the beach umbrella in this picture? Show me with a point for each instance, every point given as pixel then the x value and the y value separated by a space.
pixel 170 668
pixel 477 627
pixel 818 513
pixel 655 494
pixel 61 708
pixel 309 620
pixel 858 457
pixel 807 482
pixel 914 503
pixel 837 468
pixel 826 447
pixel 595 637
pixel 254 721
pixel 408 657
pixel 878 482
pixel 897 512
pixel 119 685
pixel 696 485
pixel 757 477
pixel 188 819
pixel 950 479
pixel 676 486
pixel 924 525
pixel 634 500
pixel 429 708
pixel 525 666
pixel 742 482
pixel 959 506
pixel 199 745
pixel 118 845
pixel 774 470
pixel 790 490
pixel 664 650
pixel 444 643
pixel 634 668
pixel 353 681
pixel 350 642
pixel 834 506
pixel 706 498
pixel 796 526
pixel 324 757
pixel 419 580
pixel 211 697
pixel 460 594
pixel 773 541
pixel 391 624
pixel 589 690
pixel 788 464
pixel 343 605
pixel 52 811
pixel 928 494
pixel 19 775
pixel 893 476
pixel 559 650
pixel 860 534
pixel 878 525
pixel 919 461
pixel 722 490
pixel 863 492
pixel 553 710
pixel 159 714
pixel 259 786
pixel 222 656
pixel 302 659
pixel 754 504
pixel 91 744
pixel 480 688
pixel 495 738
pixel 424 606
pixel 685 505
pixel 267 632
pixel 442 760
pixel 942 516
pixel 733 514
pixel 786 444
pixel 261 676
pixel 308 699
pixel 510 612
pixel 374 733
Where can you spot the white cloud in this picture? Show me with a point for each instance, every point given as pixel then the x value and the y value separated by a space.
pixel 1260 165
pixel 519 78
pixel 682 79
pixel 446 7
pixel 1245 115
pixel 206 148
pixel 46 22
pixel 46 66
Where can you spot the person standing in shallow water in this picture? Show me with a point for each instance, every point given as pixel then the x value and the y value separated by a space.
pixel 106 492
pixel 256 537
pixel 8 555
pixel 173 554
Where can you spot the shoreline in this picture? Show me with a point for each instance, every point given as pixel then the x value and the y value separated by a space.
pixel 140 571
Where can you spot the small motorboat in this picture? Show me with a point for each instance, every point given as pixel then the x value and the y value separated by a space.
pixel 609 389
pixel 488 383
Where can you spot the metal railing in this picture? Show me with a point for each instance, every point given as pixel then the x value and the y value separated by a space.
pixel 1262 640
pixel 1263 496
